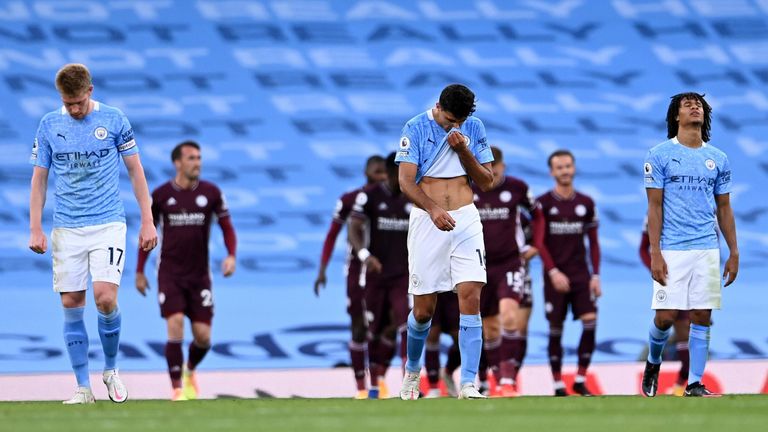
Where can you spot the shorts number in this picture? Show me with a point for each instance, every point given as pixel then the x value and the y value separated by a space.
pixel 481 257
pixel 207 296
pixel 112 256
pixel 515 280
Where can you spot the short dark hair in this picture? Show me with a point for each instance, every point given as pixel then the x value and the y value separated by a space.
pixel 375 159
pixel 498 155
pixel 674 110
pixel 458 100
pixel 176 152
pixel 391 165
pixel 561 152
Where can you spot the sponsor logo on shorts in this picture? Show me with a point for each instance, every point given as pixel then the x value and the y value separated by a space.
pixel 100 133
pixel 661 296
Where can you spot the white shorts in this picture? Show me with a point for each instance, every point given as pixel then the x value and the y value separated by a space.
pixel 98 249
pixel 693 281
pixel 439 260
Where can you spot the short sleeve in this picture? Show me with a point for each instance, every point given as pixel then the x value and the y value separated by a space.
pixel 408 148
pixel 126 143
pixel 480 147
pixel 361 205
pixel 723 181
pixel 653 170
pixel 41 149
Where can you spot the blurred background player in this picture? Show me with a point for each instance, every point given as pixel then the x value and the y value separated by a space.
pixel 185 208
pixel 84 141
pixel 688 183
pixel 566 217
pixel 505 305
pixel 358 347
pixel 441 150
pixel 383 209
pixel 681 325
pixel 445 320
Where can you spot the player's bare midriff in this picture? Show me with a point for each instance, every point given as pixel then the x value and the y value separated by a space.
pixel 449 193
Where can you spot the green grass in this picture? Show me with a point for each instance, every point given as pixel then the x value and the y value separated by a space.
pixel 615 414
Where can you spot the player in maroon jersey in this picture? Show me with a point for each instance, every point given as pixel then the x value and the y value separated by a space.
pixel 682 322
pixel 358 346
pixel 566 217
pixel 505 305
pixel 383 210
pixel 185 207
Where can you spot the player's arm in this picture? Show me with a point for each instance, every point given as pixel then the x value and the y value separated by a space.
pixel 407 177
pixel 481 174
pixel 594 255
pixel 325 256
pixel 38 190
pixel 655 218
pixel 727 225
pixel 147 232
pixel 230 242
pixel 645 249
pixel 559 280
pixel 357 240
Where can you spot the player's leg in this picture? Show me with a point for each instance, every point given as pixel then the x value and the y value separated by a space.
pixel 470 336
pixel 681 326
pixel 523 316
pixel 585 308
pixel 555 308
pixel 200 306
pixel 70 269
pixel 174 354
pixel 510 336
pixel 106 259
pixel 705 295
pixel 419 322
pixel 450 326
pixel 489 361
pixel 358 345
pixel 378 347
pixel 432 355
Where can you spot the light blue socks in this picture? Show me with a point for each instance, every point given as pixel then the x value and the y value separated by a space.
pixel 109 333
pixel 417 336
pixel 470 346
pixel 76 339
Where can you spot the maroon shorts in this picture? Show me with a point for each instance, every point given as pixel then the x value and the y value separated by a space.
pixel 446 312
pixel 355 291
pixel 191 296
pixel 386 302
pixel 579 298
pixel 507 280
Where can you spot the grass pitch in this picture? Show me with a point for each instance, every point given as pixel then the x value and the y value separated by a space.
pixel 572 414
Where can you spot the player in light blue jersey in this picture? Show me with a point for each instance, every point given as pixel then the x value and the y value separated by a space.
pixel 440 151
pixel 688 183
pixel 84 141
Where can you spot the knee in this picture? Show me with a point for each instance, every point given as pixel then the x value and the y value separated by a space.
pixel 422 315
pixel 701 317
pixel 106 301
pixel 203 340
pixel 663 323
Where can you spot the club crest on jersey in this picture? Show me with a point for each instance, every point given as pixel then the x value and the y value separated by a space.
pixel 580 210
pixel 553 211
pixel 201 201
pixel 382 206
pixel 171 201
pixel 100 133
pixel 505 196
pixel 710 164
pixel 405 143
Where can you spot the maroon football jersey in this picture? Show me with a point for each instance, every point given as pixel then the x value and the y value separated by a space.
pixel 567 222
pixel 387 214
pixel 341 213
pixel 186 216
pixel 499 211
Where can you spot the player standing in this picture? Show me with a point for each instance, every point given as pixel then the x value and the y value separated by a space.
pixel 385 209
pixel 185 207
pixel 440 151
pixel 566 217
pixel 688 183
pixel 505 303
pixel 358 346
pixel 681 325
pixel 84 141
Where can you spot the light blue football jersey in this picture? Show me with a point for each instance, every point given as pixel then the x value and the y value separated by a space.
pixel 422 139
pixel 690 177
pixel 85 155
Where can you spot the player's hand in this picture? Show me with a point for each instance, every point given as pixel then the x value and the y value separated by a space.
pixel 147 237
pixel 594 286
pixel 560 281
pixel 37 241
pixel 320 282
pixel 142 285
pixel 228 265
pixel 731 269
pixel 457 140
pixel 659 269
pixel 373 265
pixel 442 219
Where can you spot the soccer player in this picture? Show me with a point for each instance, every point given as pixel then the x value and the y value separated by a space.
pixel 358 346
pixel 385 209
pixel 688 183
pixel 566 217
pixel 444 320
pixel 185 207
pixel 505 304
pixel 681 325
pixel 441 150
pixel 84 141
